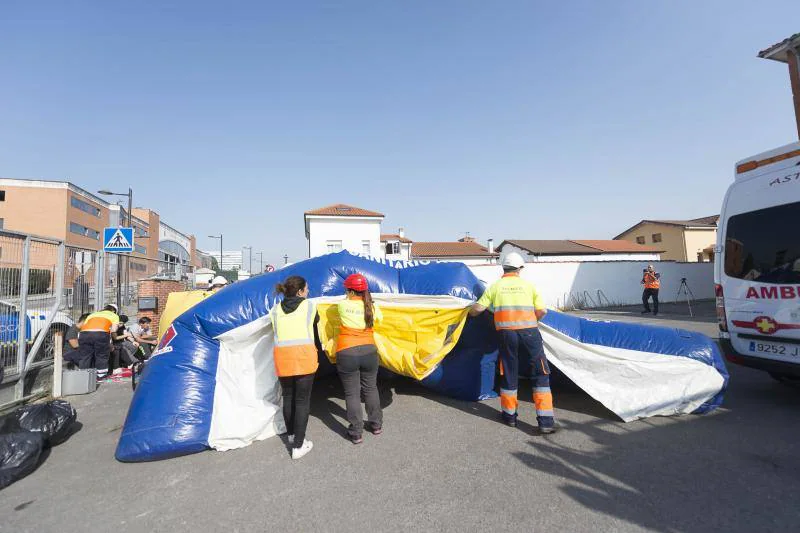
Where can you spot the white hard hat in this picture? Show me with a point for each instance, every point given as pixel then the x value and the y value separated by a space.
pixel 116 309
pixel 219 280
pixel 513 260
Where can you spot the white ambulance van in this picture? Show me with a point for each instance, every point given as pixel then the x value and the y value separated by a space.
pixel 757 267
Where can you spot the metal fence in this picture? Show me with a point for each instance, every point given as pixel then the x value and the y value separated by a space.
pixel 46 286
pixel 31 290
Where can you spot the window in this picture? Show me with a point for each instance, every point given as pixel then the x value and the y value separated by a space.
pixel 392 248
pixel 334 246
pixel 656 237
pixel 2 196
pixel 138 267
pixel 2 223
pixel 86 207
pixel 639 240
pixel 140 249
pixel 759 245
pixel 365 248
pixel 77 229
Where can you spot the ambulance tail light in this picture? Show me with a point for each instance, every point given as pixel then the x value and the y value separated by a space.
pixel 722 319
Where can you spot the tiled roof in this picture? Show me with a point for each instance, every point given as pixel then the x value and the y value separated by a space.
pixel 552 247
pixel 450 249
pixel 704 222
pixel 778 50
pixel 394 237
pixel 343 210
pixel 607 246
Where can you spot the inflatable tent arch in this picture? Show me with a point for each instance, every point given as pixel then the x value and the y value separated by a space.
pixel 211 383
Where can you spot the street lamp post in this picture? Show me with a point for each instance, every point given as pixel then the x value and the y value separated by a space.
pixel 129 194
pixel 220 248
pixel 250 254
pixel 260 262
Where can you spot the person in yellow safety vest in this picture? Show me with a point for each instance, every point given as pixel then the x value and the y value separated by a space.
pixel 517 308
pixel 294 323
pixel 94 340
pixel 357 357
pixel 652 282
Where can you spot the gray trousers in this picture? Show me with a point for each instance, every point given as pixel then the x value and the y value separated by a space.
pixel 358 370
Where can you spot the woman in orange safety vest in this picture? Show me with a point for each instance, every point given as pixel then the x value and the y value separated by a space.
pixel 357 357
pixel 652 282
pixel 294 323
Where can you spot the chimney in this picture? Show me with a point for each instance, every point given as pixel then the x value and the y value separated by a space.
pixel 401 232
pixel 490 246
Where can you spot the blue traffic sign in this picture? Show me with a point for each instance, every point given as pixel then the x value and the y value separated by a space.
pixel 118 239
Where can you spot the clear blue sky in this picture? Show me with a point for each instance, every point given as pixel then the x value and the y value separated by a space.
pixel 537 120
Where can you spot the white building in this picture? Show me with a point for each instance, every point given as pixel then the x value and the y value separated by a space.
pixel 554 251
pixel 343 227
pixel 231 260
pixel 396 246
pixel 203 277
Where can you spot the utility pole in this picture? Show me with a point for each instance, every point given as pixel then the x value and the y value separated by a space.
pixel 250 254
pixel 220 249
pixel 285 259
pixel 260 262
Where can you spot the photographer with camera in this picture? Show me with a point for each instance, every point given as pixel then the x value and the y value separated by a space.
pixel 652 282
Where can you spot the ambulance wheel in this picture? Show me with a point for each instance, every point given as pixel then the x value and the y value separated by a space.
pixel 791 381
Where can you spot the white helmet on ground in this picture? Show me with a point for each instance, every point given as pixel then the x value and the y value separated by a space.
pixel 219 281
pixel 513 260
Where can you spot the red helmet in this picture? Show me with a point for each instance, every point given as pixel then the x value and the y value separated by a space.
pixel 356 282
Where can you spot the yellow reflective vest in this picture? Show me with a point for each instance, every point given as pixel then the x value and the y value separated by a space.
pixel 294 351
pixel 513 301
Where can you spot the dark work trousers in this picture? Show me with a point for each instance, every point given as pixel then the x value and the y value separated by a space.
pixel 513 345
pixel 94 347
pixel 646 296
pixel 297 405
pixel 358 370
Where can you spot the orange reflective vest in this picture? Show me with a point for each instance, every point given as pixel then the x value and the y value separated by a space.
pixel 100 321
pixel 294 351
pixel 651 281
pixel 353 331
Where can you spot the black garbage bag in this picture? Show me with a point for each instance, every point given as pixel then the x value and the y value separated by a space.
pixel 19 455
pixel 53 420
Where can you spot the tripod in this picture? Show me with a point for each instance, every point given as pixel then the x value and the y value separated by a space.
pixel 684 289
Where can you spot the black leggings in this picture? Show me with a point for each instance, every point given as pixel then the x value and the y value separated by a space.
pixel 297 405
pixel 358 370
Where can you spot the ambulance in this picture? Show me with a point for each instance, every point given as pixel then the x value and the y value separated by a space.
pixel 757 268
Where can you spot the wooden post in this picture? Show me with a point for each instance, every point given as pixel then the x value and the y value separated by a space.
pixel 793 57
pixel 58 354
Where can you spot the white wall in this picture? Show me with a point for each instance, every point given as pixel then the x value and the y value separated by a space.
pixel 469 261
pixel 619 281
pixel 352 231
pixel 530 258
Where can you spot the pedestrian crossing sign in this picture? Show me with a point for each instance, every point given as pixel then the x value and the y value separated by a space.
pixel 118 239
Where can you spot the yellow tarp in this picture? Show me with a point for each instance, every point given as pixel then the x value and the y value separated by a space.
pixel 411 341
pixel 177 303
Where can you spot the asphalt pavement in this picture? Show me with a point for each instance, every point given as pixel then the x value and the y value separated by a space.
pixel 443 465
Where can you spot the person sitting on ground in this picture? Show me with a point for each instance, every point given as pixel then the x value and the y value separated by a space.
pixel 71 341
pixel 124 346
pixel 143 334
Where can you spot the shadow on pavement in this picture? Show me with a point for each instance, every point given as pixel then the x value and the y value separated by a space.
pixel 692 473
pixel 333 414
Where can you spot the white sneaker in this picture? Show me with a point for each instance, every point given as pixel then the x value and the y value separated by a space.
pixel 297 453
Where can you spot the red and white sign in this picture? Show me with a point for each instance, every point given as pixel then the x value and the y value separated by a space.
pixel 773 292
pixel 269 268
